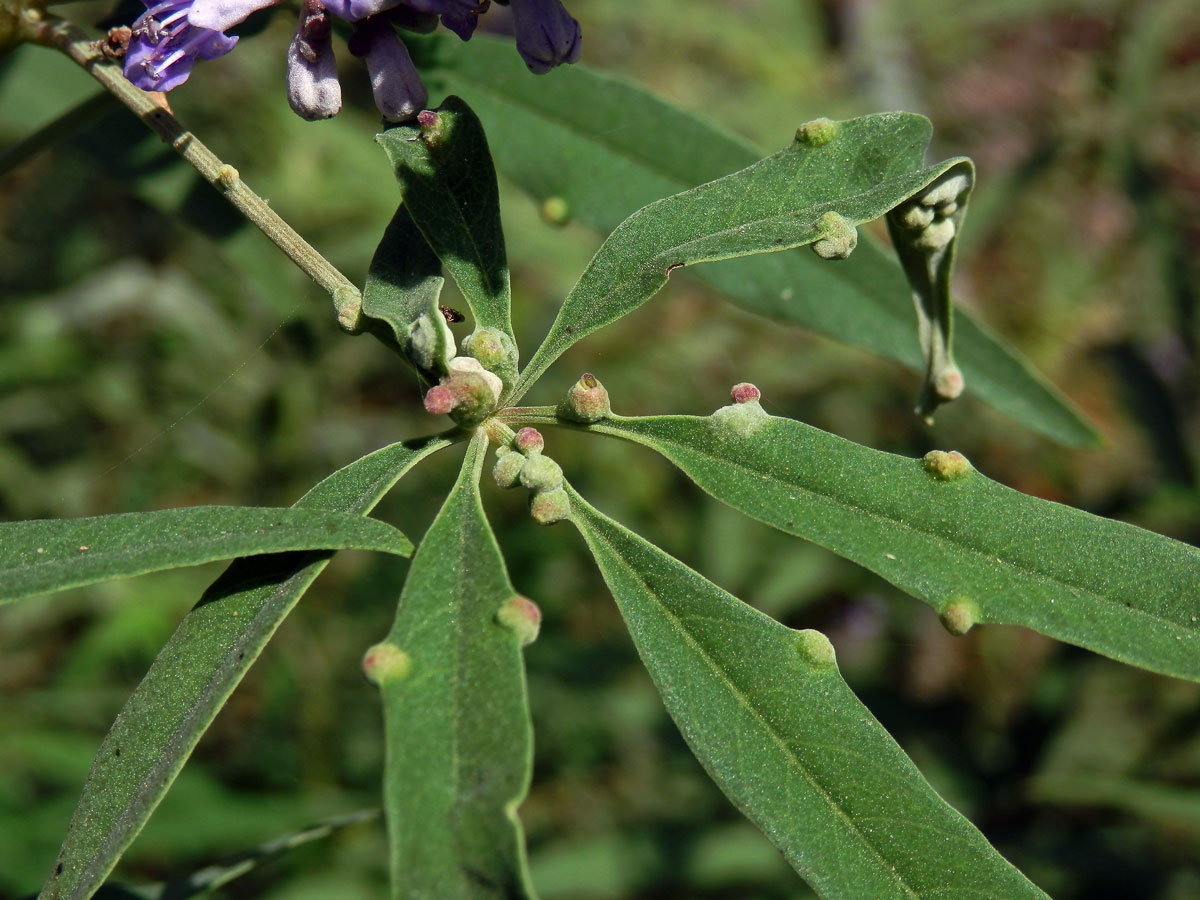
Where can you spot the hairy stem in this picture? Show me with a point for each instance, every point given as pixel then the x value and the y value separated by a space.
pixel 68 38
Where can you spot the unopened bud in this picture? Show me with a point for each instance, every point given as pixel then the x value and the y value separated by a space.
pixel 549 507
pixel 587 401
pixel 541 473
pixel 529 441
pixel 521 616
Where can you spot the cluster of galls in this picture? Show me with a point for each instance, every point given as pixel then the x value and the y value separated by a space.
pixel 931 216
pixel 522 463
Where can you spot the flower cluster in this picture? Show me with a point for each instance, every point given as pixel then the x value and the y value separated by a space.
pixel 171 35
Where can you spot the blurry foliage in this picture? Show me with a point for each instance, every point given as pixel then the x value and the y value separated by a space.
pixel 154 352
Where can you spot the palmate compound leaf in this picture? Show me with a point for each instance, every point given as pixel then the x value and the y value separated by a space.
pixel 973 549
pixel 594 148
pixel 448 187
pixel 191 678
pixel 833 177
pixel 459 739
pixel 37 557
pixel 767 713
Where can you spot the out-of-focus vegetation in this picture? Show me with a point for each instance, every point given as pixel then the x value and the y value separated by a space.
pixel 154 353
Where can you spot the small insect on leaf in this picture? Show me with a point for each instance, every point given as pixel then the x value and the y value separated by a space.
pixel 451 316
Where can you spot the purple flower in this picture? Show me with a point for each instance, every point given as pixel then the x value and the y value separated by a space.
pixel 171 35
pixel 313 90
pixel 547 34
pixel 395 83
pixel 165 46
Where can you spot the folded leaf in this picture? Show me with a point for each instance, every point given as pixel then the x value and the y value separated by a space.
pixel 833 177
pixel 459 739
pixel 600 147
pixel 37 557
pixel 194 674
pixel 767 713
pixel 973 549
pixel 448 184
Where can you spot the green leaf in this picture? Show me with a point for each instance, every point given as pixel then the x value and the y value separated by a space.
pixel 814 191
pixel 404 284
pixel 601 147
pixel 44 555
pixel 973 549
pixel 767 713
pixel 448 183
pixel 459 740
pixel 195 673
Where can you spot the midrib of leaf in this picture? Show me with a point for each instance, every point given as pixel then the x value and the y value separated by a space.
pixel 985 555
pixel 480 266
pixel 750 707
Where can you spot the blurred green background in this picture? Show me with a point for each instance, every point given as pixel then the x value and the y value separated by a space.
pixel 156 352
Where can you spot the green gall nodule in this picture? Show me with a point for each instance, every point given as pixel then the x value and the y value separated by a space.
pixel 818 132
pixel 430 343
pixel 385 662
pixel 521 616
pixel 743 418
pixel 744 392
pixel 529 441
pixel 946 466
pixel 548 507
pixel 935 236
pixel 556 211
pixel 815 649
pixel 495 351
pixel 838 236
pixel 916 217
pixel 541 473
pixel 587 401
pixel 959 615
pixel 947 191
pixel 507 471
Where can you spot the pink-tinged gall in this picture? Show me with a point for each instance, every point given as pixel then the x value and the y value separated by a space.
pixel 521 616
pixel 946 466
pixel 744 392
pixel 587 401
pixel 439 400
pixel 959 615
pixel 427 118
pixel 949 383
pixel 385 662
pixel 529 441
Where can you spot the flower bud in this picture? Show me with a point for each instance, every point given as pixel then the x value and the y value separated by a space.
pixel 587 401
pixel 313 90
pixel 395 84
pixel 549 507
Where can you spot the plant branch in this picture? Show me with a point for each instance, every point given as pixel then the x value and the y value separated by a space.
pixel 68 38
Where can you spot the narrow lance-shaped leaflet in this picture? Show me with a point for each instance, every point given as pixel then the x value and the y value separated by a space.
pixel 459 739
pixel 193 675
pixel 767 713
